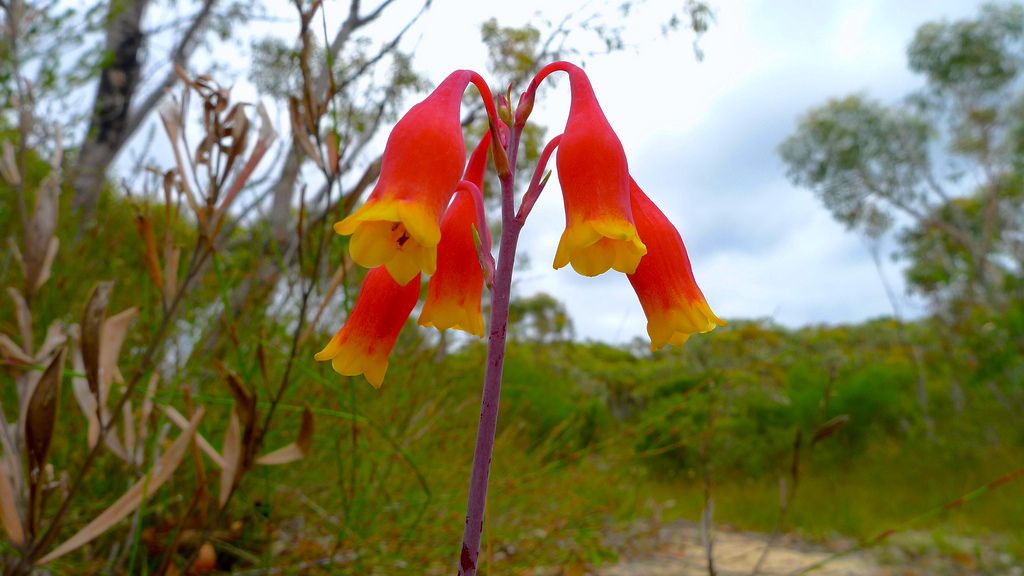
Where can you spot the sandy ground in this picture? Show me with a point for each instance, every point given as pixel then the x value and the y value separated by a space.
pixel 679 551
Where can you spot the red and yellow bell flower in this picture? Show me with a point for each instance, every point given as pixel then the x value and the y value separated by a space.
pixel 456 288
pixel 663 281
pixel 398 226
pixel 363 344
pixel 411 224
pixel 592 171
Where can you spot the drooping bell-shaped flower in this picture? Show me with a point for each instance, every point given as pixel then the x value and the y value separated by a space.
pixel 398 226
pixel 594 177
pixel 455 289
pixel 663 281
pixel 363 344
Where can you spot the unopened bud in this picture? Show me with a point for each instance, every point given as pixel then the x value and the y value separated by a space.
pixel 504 110
pixel 525 107
pixel 501 165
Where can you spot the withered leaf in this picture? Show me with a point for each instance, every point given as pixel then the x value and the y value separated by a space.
pixel 829 428
pixel 232 458
pixel 149 255
pixel 133 498
pixel 8 349
pixel 41 230
pixel 174 416
pixel 296 450
pixel 86 399
pixel 92 333
pixel 47 266
pixel 41 416
pixel 24 317
pixel 8 507
pixel 112 338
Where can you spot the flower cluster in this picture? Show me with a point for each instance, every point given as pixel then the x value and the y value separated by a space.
pixel 425 216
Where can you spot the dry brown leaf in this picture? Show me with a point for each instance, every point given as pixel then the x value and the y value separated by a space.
pixel 93 412
pixel 232 454
pixel 301 135
pixel 41 416
pixel 111 339
pixel 40 420
pixel 173 256
pixel 55 336
pixel 92 333
pixel 128 421
pixel 86 399
pixel 47 266
pixel 170 115
pixel 296 450
pixel 267 132
pixel 266 137
pixel 15 252
pixel 11 350
pixel 144 417
pixel 333 157
pixel 149 254
pixel 24 318
pixel 204 445
pixel 8 507
pixel 829 428
pixel 245 401
pixel 135 495
pixel 41 229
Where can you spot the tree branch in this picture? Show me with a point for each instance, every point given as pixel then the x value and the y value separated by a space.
pixel 179 57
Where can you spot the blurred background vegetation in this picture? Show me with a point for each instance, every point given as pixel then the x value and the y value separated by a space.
pixel 828 432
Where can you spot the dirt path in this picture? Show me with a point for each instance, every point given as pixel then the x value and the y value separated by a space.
pixel 677 550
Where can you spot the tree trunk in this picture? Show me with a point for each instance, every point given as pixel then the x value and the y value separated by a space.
pixel 109 122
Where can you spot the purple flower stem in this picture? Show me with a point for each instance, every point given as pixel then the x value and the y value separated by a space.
pixel 500 294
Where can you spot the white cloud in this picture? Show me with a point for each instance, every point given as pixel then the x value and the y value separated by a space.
pixel 701 140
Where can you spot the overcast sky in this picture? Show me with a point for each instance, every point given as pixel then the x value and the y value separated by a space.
pixel 701 138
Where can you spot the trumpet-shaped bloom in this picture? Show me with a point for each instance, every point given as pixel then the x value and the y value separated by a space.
pixel 398 226
pixel 363 344
pixel 663 281
pixel 455 289
pixel 594 176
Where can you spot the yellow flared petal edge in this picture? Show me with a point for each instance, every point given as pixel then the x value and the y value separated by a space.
pixel 421 224
pixel 404 265
pixel 673 327
pixel 594 247
pixel 417 219
pixel 351 359
pixel 448 314
pixel 373 210
pixel 373 245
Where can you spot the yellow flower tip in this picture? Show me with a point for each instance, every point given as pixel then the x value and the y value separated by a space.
pixel 674 326
pixel 350 358
pixel 404 266
pixel 331 350
pixel 448 314
pixel 678 340
pixel 346 226
pixel 595 247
